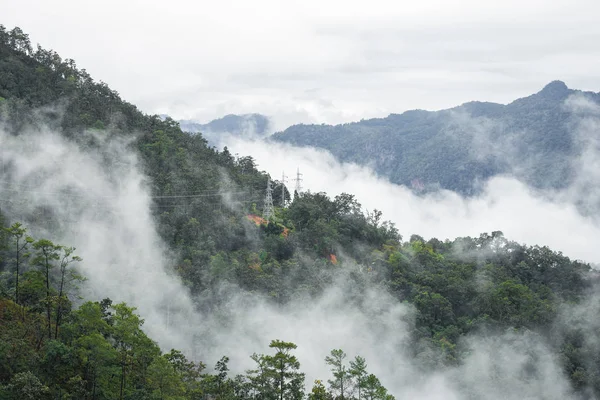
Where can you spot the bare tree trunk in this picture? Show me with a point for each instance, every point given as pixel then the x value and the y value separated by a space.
pixel 59 302
pixel 17 282
pixel 48 312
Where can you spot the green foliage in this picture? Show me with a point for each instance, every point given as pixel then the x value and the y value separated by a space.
pixel 202 199
pixel 101 354
pixel 26 386
pixel 341 375
pixel 358 371
pixel 277 376
pixel 319 392
pixel 16 234
pixel 374 390
pixel 163 379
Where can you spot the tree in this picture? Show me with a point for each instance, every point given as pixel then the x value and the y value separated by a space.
pixel 190 373
pixel 319 392
pixel 358 370
pixel 19 41
pixel 57 364
pixel 434 309
pixel 97 357
pixel 27 386
pixel 164 380
pixel 260 379
pixel 277 376
pixel 90 335
pixel 287 381
pixel 17 232
pixel 341 376
pixel 136 351
pixel 47 255
pixel 221 376
pixel 67 276
pixel 374 390
pixel 346 204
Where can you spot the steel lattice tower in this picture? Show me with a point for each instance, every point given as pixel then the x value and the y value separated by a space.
pixel 283 180
pixel 268 209
pixel 298 180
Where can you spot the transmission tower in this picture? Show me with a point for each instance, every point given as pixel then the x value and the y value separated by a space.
pixel 298 180
pixel 268 209
pixel 283 180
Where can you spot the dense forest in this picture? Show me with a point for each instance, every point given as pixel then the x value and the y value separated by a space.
pixel 208 208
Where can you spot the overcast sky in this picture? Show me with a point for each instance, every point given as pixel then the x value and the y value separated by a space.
pixel 317 60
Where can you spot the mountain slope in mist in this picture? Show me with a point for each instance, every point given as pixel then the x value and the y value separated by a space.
pixel 174 227
pixel 246 125
pixel 456 149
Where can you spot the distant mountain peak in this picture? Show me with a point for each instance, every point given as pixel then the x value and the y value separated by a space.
pixel 459 148
pixel 231 123
pixel 554 88
pixel 243 125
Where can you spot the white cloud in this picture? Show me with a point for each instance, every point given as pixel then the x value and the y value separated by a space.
pixel 97 201
pixel 505 203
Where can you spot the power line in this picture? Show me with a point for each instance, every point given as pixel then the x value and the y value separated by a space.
pixel 212 193
pixel 103 202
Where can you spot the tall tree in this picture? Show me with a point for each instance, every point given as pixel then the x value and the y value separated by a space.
pixel 358 370
pixel 47 255
pixel 189 372
pixel 135 350
pixel 277 376
pixel 260 378
pixel 284 367
pixel 341 376
pixel 165 381
pixel 67 277
pixel 222 368
pixel 17 232
pixel 124 328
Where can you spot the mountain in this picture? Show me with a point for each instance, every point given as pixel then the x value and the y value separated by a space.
pixel 533 138
pixel 246 125
pixel 463 310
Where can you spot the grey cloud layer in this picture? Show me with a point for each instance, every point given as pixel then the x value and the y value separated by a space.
pixel 203 60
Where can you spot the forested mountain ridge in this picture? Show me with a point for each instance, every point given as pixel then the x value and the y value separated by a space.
pixel 532 138
pixel 231 123
pixel 50 348
pixel 246 125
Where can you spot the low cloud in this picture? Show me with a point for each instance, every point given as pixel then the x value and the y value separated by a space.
pixel 97 200
pixel 559 219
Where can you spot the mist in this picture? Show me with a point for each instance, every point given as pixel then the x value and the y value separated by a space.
pixel 96 198
pixel 553 218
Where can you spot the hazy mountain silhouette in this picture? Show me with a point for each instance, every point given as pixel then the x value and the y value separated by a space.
pixel 532 138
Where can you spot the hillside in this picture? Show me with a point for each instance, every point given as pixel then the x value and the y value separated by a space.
pixel 532 138
pixel 247 125
pixel 318 262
